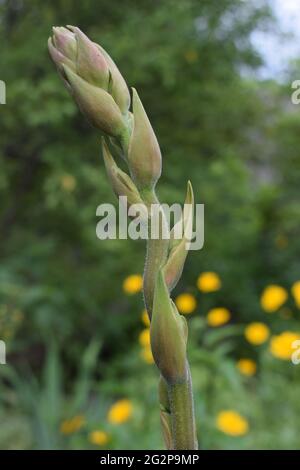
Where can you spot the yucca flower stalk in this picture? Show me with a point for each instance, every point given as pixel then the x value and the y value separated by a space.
pixel 101 93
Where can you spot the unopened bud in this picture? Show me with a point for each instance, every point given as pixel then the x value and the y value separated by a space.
pixel 59 58
pixel 96 104
pixel 165 421
pixel 121 182
pixel 118 86
pixel 144 157
pixel 178 249
pixel 168 334
pixel 165 413
pixel 71 47
pixel 65 42
pixel 90 62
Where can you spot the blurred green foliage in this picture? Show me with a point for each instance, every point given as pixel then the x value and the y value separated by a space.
pixel 74 348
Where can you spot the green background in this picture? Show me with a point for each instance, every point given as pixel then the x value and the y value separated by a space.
pixel 75 349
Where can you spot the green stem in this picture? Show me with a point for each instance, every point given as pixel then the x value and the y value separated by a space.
pixel 178 405
pixel 182 415
pixel 156 255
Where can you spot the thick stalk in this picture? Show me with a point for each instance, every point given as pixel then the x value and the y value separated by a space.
pixel 182 415
pixel 156 255
pixel 178 406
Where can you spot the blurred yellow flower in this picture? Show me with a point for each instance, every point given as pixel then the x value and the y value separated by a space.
pixel 246 366
pixel 120 412
pixel 145 318
pixel 208 282
pixel 69 426
pixel 296 292
pixel 133 284
pixel 232 423
pixel 17 316
pixel 68 182
pixel 191 56
pixel 281 345
pixel 257 333
pixel 7 333
pixel 186 303
pixel 218 316
pixel 99 438
pixel 281 241
pixel 146 355
pixel 144 337
pixel 273 297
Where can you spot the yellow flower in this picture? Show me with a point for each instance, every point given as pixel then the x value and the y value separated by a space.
pixel 281 241
pixel 99 438
pixel 69 426
pixel 133 284
pixel 66 427
pixel 232 423
pixel 145 318
pixel 146 355
pixel 218 316
pixel 257 333
pixel 68 182
pixel 246 366
pixel 281 345
pixel 17 316
pixel 144 337
pixel 120 412
pixel 296 292
pixel 208 282
pixel 273 297
pixel 186 303
pixel 7 333
pixel 191 56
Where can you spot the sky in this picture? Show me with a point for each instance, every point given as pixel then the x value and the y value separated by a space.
pixel 278 51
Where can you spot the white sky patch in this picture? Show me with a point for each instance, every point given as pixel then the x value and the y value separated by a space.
pixel 281 46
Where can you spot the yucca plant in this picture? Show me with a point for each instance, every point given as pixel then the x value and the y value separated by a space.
pixel 101 93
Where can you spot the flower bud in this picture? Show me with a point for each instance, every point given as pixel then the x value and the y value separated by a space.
pixel 65 42
pixel 178 249
pixel 90 62
pixel 144 157
pixel 58 58
pixel 168 334
pixel 118 87
pixel 165 413
pixel 165 421
pixel 121 182
pixel 96 104
pixel 71 47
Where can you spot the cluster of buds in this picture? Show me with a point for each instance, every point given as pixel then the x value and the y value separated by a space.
pixel 102 95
